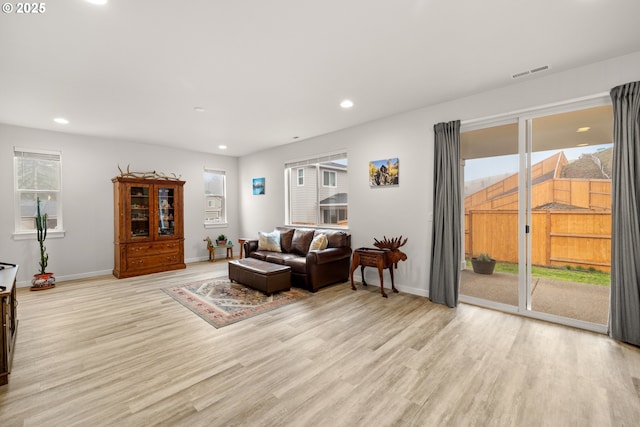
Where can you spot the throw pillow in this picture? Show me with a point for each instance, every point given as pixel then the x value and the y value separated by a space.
pixel 319 242
pixel 269 241
pixel 301 241
pixel 286 236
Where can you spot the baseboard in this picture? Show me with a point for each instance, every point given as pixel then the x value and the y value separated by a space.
pixel 400 287
pixel 87 275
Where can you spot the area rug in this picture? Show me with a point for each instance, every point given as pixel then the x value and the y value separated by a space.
pixel 221 302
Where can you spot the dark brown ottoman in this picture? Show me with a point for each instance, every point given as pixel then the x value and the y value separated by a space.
pixel 261 275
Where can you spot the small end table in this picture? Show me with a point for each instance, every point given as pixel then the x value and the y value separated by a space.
pixel 241 241
pixel 372 257
pixel 212 251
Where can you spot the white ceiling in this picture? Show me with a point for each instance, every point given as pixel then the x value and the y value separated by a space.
pixel 269 71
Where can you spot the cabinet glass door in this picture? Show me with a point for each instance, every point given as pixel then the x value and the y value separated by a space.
pixel 166 206
pixel 139 200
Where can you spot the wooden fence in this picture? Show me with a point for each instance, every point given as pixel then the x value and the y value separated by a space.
pixel 558 238
pixel 594 194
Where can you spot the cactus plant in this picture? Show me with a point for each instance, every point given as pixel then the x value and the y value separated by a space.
pixel 41 226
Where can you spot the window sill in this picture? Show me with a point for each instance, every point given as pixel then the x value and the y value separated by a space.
pixel 216 225
pixel 31 235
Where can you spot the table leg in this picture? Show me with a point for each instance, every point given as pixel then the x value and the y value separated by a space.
pixel 380 273
pixel 364 282
pixel 393 286
pixel 354 265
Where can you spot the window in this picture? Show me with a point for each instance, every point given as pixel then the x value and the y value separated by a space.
pixel 322 200
pixel 37 174
pixel 215 211
pixel 329 178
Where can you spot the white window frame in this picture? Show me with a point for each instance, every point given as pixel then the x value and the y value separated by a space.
pixel 329 173
pixel 20 232
pixel 300 176
pixel 292 167
pixel 215 205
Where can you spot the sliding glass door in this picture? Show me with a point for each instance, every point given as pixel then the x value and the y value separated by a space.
pixel 537 200
pixel 570 213
pixel 491 195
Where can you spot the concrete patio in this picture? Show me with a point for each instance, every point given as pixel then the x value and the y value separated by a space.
pixel 579 301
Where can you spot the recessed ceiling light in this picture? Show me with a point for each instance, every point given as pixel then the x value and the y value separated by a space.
pixel 584 144
pixel 584 129
pixel 222 147
pixel 61 121
pixel 347 103
pixel 98 2
pixel 198 109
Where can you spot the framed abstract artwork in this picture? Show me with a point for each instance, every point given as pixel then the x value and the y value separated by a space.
pixel 258 186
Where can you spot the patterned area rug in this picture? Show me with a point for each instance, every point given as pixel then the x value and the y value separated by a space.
pixel 221 302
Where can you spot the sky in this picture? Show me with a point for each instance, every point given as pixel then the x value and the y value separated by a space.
pixel 490 166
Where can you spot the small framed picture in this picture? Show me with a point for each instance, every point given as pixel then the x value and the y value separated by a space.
pixel 383 173
pixel 258 186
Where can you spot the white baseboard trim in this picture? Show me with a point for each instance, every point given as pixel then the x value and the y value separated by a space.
pixel 357 278
pixel 87 275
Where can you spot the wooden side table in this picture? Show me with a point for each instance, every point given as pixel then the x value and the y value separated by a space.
pixel 8 320
pixel 241 241
pixel 212 251
pixel 372 257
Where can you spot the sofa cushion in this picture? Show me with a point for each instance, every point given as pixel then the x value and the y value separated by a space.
pixel 319 242
pixel 269 241
pixel 301 241
pixel 261 255
pixel 279 258
pixel 286 236
pixel 337 239
pixel 297 264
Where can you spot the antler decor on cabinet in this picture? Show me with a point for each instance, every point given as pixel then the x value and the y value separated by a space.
pixel 148 175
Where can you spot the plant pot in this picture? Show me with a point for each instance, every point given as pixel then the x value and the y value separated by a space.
pixel 221 242
pixel 483 267
pixel 41 282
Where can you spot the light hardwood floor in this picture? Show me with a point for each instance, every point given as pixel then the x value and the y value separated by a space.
pixel 123 353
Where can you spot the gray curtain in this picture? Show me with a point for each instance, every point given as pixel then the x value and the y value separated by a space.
pixel 625 234
pixel 446 239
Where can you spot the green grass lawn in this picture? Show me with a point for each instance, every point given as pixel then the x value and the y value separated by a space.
pixel 567 274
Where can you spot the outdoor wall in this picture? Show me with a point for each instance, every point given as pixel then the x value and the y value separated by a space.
pixel 88 164
pixel 407 209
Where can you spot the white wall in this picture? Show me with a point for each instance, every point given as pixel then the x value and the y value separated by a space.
pixel 406 210
pixel 88 164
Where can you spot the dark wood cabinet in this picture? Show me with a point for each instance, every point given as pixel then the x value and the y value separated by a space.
pixel 8 304
pixel 149 226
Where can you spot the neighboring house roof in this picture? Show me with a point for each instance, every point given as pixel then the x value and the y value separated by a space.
pixel 336 199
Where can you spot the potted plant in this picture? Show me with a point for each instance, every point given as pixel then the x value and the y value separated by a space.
pixel 221 240
pixel 44 279
pixel 483 264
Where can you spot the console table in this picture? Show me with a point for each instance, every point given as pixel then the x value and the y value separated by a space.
pixel 371 257
pixel 8 304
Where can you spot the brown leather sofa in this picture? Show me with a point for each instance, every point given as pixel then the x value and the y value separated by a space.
pixel 310 269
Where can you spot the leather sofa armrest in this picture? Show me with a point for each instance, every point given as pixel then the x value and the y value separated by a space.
pixel 328 255
pixel 250 246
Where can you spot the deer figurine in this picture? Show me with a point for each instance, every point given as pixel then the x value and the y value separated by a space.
pixel 386 256
pixel 210 248
pixel 394 246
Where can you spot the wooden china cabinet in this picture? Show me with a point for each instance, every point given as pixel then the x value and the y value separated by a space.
pixel 149 235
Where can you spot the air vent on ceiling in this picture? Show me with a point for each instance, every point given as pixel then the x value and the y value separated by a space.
pixel 531 71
